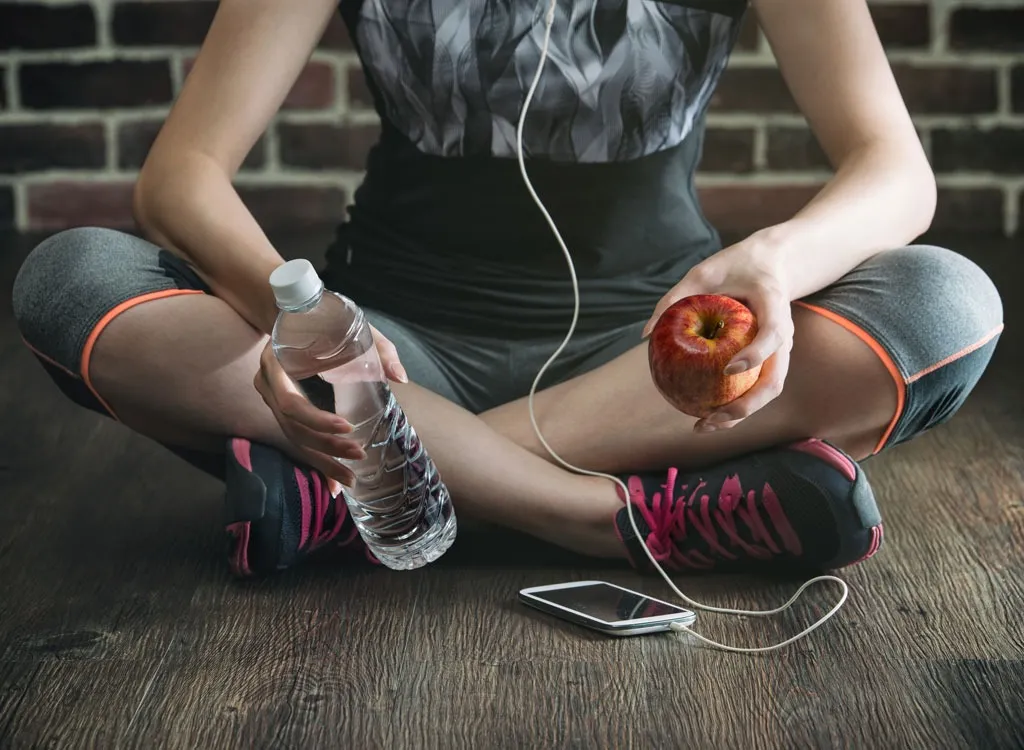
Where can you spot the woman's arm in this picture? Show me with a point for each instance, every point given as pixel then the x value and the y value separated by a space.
pixel 883 193
pixel 184 199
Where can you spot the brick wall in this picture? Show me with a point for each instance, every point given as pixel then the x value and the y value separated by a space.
pixel 84 85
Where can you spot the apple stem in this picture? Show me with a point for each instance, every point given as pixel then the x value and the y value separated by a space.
pixel 719 327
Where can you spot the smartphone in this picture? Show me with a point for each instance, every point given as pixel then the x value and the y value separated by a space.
pixel 605 607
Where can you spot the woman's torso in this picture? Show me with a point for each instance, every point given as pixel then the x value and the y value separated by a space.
pixel 443 226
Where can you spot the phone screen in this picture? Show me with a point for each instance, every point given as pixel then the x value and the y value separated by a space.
pixel 607 603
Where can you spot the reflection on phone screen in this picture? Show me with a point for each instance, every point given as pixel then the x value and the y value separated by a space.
pixel 607 602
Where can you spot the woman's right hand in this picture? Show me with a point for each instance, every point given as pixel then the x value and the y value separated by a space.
pixel 317 434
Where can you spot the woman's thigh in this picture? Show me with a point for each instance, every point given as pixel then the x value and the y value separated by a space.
pixel 81 302
pixel 931 315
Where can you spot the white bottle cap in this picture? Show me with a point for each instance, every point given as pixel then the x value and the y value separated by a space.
pixel 295 283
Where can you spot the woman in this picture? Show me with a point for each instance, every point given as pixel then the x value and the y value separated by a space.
pixel 865 342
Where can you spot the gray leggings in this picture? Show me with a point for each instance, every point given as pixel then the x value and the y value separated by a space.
pixel 932 317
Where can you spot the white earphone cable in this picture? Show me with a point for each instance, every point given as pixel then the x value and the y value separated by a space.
pixel 549 19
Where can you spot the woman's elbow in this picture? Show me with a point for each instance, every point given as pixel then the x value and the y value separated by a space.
pixel 145 200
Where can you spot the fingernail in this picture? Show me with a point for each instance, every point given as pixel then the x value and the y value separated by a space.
pixel 704 427
pixel 646 332
pixel 718 418
pixel 735 367
pixel 401 374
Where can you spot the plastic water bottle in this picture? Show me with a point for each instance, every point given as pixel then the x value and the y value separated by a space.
pixel 399 504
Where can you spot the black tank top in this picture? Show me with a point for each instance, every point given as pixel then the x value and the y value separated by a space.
pixel 443 231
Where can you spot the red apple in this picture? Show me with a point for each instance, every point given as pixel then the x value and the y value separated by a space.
pixel 690 346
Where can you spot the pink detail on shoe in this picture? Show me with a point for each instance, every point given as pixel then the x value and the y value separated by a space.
pixel 319 510
pixel 305 506
pixel 773 507
pixel 677 519
pixel 752 519
pixel 730 498
pixel 242 450
pixel 670 520
pixel 636 492
pixel 669 486
pixel 876 541
pixel 239 561
pixel 730 495
pixel 340 514
pixel 706 527
pixel 727 523
pixel 829 455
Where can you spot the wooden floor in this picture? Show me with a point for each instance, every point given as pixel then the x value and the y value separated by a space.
pixel 119 625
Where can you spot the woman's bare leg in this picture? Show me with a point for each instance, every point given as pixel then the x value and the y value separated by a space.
pixel 180 370
pixel 612 419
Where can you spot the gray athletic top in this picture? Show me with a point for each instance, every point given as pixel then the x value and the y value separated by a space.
pixel 612 139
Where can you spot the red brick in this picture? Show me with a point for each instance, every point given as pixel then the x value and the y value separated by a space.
pixel 162 22
pixel 336 35
pixel 960 209
pixel 926 90
pixel 998 150
pixel 134 139
pixel 286 206
pixel 728 150
pixel 313 89
pixel 987 29
pixel 947 89
pixel 794 148
pixel 34 26
pixel 359 96
pixel 742 209
pixel 326 146
pixel 41 146
pixel 1017 88
pixel 92 85
pixel 6 207
pixel 59 205
pixel 758 90
pixel 902 26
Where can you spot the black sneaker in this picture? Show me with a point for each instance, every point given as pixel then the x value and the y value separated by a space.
pixel 279 512
pixel 801 506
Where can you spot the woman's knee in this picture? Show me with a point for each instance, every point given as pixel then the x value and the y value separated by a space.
pixel 933 319
pixel 946 292
pixel 53 286
pixel 73 278
pixel 954 316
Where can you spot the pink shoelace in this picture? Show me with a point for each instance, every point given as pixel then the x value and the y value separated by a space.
pixel 677 524
pixel 316 501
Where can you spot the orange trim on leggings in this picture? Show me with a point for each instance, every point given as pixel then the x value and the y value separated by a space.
pixel 959 355
pixel 52 361
pixel 897 378
pixel 94 335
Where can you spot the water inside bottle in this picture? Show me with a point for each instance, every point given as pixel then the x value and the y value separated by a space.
pixel 398 502
pixel 397 490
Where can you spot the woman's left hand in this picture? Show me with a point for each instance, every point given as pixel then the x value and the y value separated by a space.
pixel 750 273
